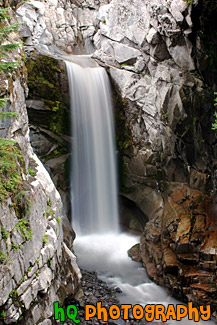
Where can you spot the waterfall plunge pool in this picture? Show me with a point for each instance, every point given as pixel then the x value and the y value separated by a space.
pixel 94 190
pixel 107 255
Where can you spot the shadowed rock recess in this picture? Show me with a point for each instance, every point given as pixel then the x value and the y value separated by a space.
pixel 161 59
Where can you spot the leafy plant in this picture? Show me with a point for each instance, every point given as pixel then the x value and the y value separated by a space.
pixel 4 233
pixel 29 269
pixel 11 162
pixel 2 314
pixel 214 125
pixel 3 257
pixel 6 44
pixel 11 157
pixel 32 172
pixel 189 2
pixel 24 228
pixel 2 104
pixel 49 262
pixel 45 239
pixel 6 115
pixel 14 246
pixel 14 292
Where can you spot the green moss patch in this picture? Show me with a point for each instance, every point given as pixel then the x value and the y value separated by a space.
pixel 44 74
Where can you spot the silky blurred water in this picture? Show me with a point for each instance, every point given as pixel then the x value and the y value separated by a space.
pixel 94 176
pixel 107 254
pixel 99 245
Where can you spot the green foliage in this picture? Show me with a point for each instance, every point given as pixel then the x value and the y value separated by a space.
pixel 2 104
pixel 14 246
pixel 5 31
pixel 3 258
pixel 49 202
pixel 3 14
pixel 48 212
pixel 189 2
pixel 24 228
pixel 11 160
pixel 2 314
pixel 122 65
pixel 22 204
pixel 45 239
pixel 4 233
pixel 4 66
pixel 6 115
pixel 29 269
pixel 32 172
pixel 11 157
pixel 49 262
pixel 13 293
pixel 43 83
pixel 214 125
pixel 6 44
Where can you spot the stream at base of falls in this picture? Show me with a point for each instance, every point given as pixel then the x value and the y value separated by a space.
pixel 94 197
pixel 106 254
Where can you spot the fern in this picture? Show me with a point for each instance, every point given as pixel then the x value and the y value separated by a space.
pixel 2 104
pixel 3 14
pixel 6 48
pixel 5 32
pixel 11 157
pixel 6 115
pixel 9 65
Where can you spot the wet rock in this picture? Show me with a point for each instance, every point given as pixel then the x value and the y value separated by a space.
pixel 186 247
pixel 134 253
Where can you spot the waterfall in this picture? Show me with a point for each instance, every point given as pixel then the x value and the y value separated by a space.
pixel 94 195
pixel 94 176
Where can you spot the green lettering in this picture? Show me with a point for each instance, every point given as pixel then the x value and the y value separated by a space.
pixel 73 315
pixel 58 312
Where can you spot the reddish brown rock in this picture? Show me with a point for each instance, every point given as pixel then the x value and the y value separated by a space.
pixel 179 250
pixel 134 253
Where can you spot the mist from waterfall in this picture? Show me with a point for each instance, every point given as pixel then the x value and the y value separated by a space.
pixel 94 175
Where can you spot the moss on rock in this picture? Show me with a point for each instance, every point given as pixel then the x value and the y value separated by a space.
pixel 45 84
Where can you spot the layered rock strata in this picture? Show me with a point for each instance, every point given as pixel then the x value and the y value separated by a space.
pixel 179 249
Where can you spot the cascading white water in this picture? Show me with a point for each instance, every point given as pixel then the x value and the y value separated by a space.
pixel 94 182
pixel 94 194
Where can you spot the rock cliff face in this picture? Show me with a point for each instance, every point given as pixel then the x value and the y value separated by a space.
pixel 36 266
pixel 179 249
pixel 158 63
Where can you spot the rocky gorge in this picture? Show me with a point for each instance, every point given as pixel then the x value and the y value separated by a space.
pixel 161 59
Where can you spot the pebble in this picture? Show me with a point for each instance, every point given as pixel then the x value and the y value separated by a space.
pixel 96 290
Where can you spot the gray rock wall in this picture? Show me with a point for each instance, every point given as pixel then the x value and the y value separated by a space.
pixel 153 57
pixel 36 266
pixel 149 56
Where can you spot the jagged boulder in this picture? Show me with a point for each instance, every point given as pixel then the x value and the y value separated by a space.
pixel 179 250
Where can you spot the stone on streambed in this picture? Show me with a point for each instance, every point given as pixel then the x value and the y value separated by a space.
pixel 134 253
